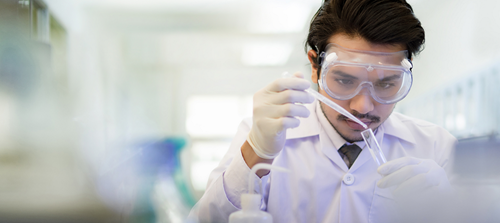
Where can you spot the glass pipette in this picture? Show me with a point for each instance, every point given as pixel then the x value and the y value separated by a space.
pixel 335 106
pixel 330 103
pixel 368 136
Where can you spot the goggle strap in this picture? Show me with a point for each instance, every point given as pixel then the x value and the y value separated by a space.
pixel 331 57
pixel 406 64
pixel 321 57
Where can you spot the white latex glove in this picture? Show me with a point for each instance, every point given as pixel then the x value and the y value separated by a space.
pixel 413 176
pixel 274 111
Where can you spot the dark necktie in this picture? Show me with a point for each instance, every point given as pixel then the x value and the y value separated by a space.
pixel 351 152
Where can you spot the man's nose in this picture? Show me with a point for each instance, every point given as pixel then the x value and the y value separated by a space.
pixel 363 102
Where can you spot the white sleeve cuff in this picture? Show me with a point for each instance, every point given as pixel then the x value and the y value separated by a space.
pixel 235 180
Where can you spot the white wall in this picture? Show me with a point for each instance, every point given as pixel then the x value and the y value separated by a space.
pixel 461 37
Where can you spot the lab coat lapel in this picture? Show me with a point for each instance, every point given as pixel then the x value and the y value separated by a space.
pixel 363 157
pixel 331 151
pixel 310 126
pixel 330 140
pixel 395 127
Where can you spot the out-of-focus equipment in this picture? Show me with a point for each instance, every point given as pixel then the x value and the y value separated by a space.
pixel 250 203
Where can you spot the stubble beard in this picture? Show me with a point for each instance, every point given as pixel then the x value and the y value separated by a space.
pixel 341 118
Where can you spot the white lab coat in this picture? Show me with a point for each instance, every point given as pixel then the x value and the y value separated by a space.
pixel 319 186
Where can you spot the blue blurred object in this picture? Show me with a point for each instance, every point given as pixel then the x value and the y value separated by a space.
pixel 130 185
pixel 20 64
pixel 161 156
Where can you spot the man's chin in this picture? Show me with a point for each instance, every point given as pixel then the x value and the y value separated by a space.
pixel 351 138
pixel 349 134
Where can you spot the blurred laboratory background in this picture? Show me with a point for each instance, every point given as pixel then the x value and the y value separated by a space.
pixel 117 110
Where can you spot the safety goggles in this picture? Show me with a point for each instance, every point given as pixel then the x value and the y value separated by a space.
pixel 346 72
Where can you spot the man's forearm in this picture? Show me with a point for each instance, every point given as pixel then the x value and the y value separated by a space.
pixel 251 158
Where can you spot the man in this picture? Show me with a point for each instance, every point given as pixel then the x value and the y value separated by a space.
pixel 360 56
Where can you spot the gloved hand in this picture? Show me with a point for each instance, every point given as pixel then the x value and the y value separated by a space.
pixel 413 176
pixel 274 111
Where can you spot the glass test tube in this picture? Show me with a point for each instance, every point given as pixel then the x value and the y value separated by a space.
pixel 373 146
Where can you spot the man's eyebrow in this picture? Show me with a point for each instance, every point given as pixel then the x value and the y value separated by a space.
pixel 343 74
pixel 390 78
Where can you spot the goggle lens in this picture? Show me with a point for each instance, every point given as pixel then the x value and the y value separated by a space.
pixel 344 82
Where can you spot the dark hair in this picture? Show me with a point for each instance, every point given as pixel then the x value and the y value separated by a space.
pixel 377 21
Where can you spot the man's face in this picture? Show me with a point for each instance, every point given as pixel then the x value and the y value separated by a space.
pixel 363 106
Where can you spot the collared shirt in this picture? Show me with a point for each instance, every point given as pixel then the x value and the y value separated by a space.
pixel 333 135
pixel 320 187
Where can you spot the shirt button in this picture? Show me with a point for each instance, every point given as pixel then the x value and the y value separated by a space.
pixel 348 179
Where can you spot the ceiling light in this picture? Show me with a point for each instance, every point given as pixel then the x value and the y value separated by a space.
pixel 276 17
pixel 266 54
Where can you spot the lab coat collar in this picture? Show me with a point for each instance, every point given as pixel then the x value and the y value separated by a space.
pixel 395 127
pixel 308 126
pixel 311 126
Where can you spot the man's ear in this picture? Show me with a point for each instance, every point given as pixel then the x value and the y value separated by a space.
pixel 311 54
